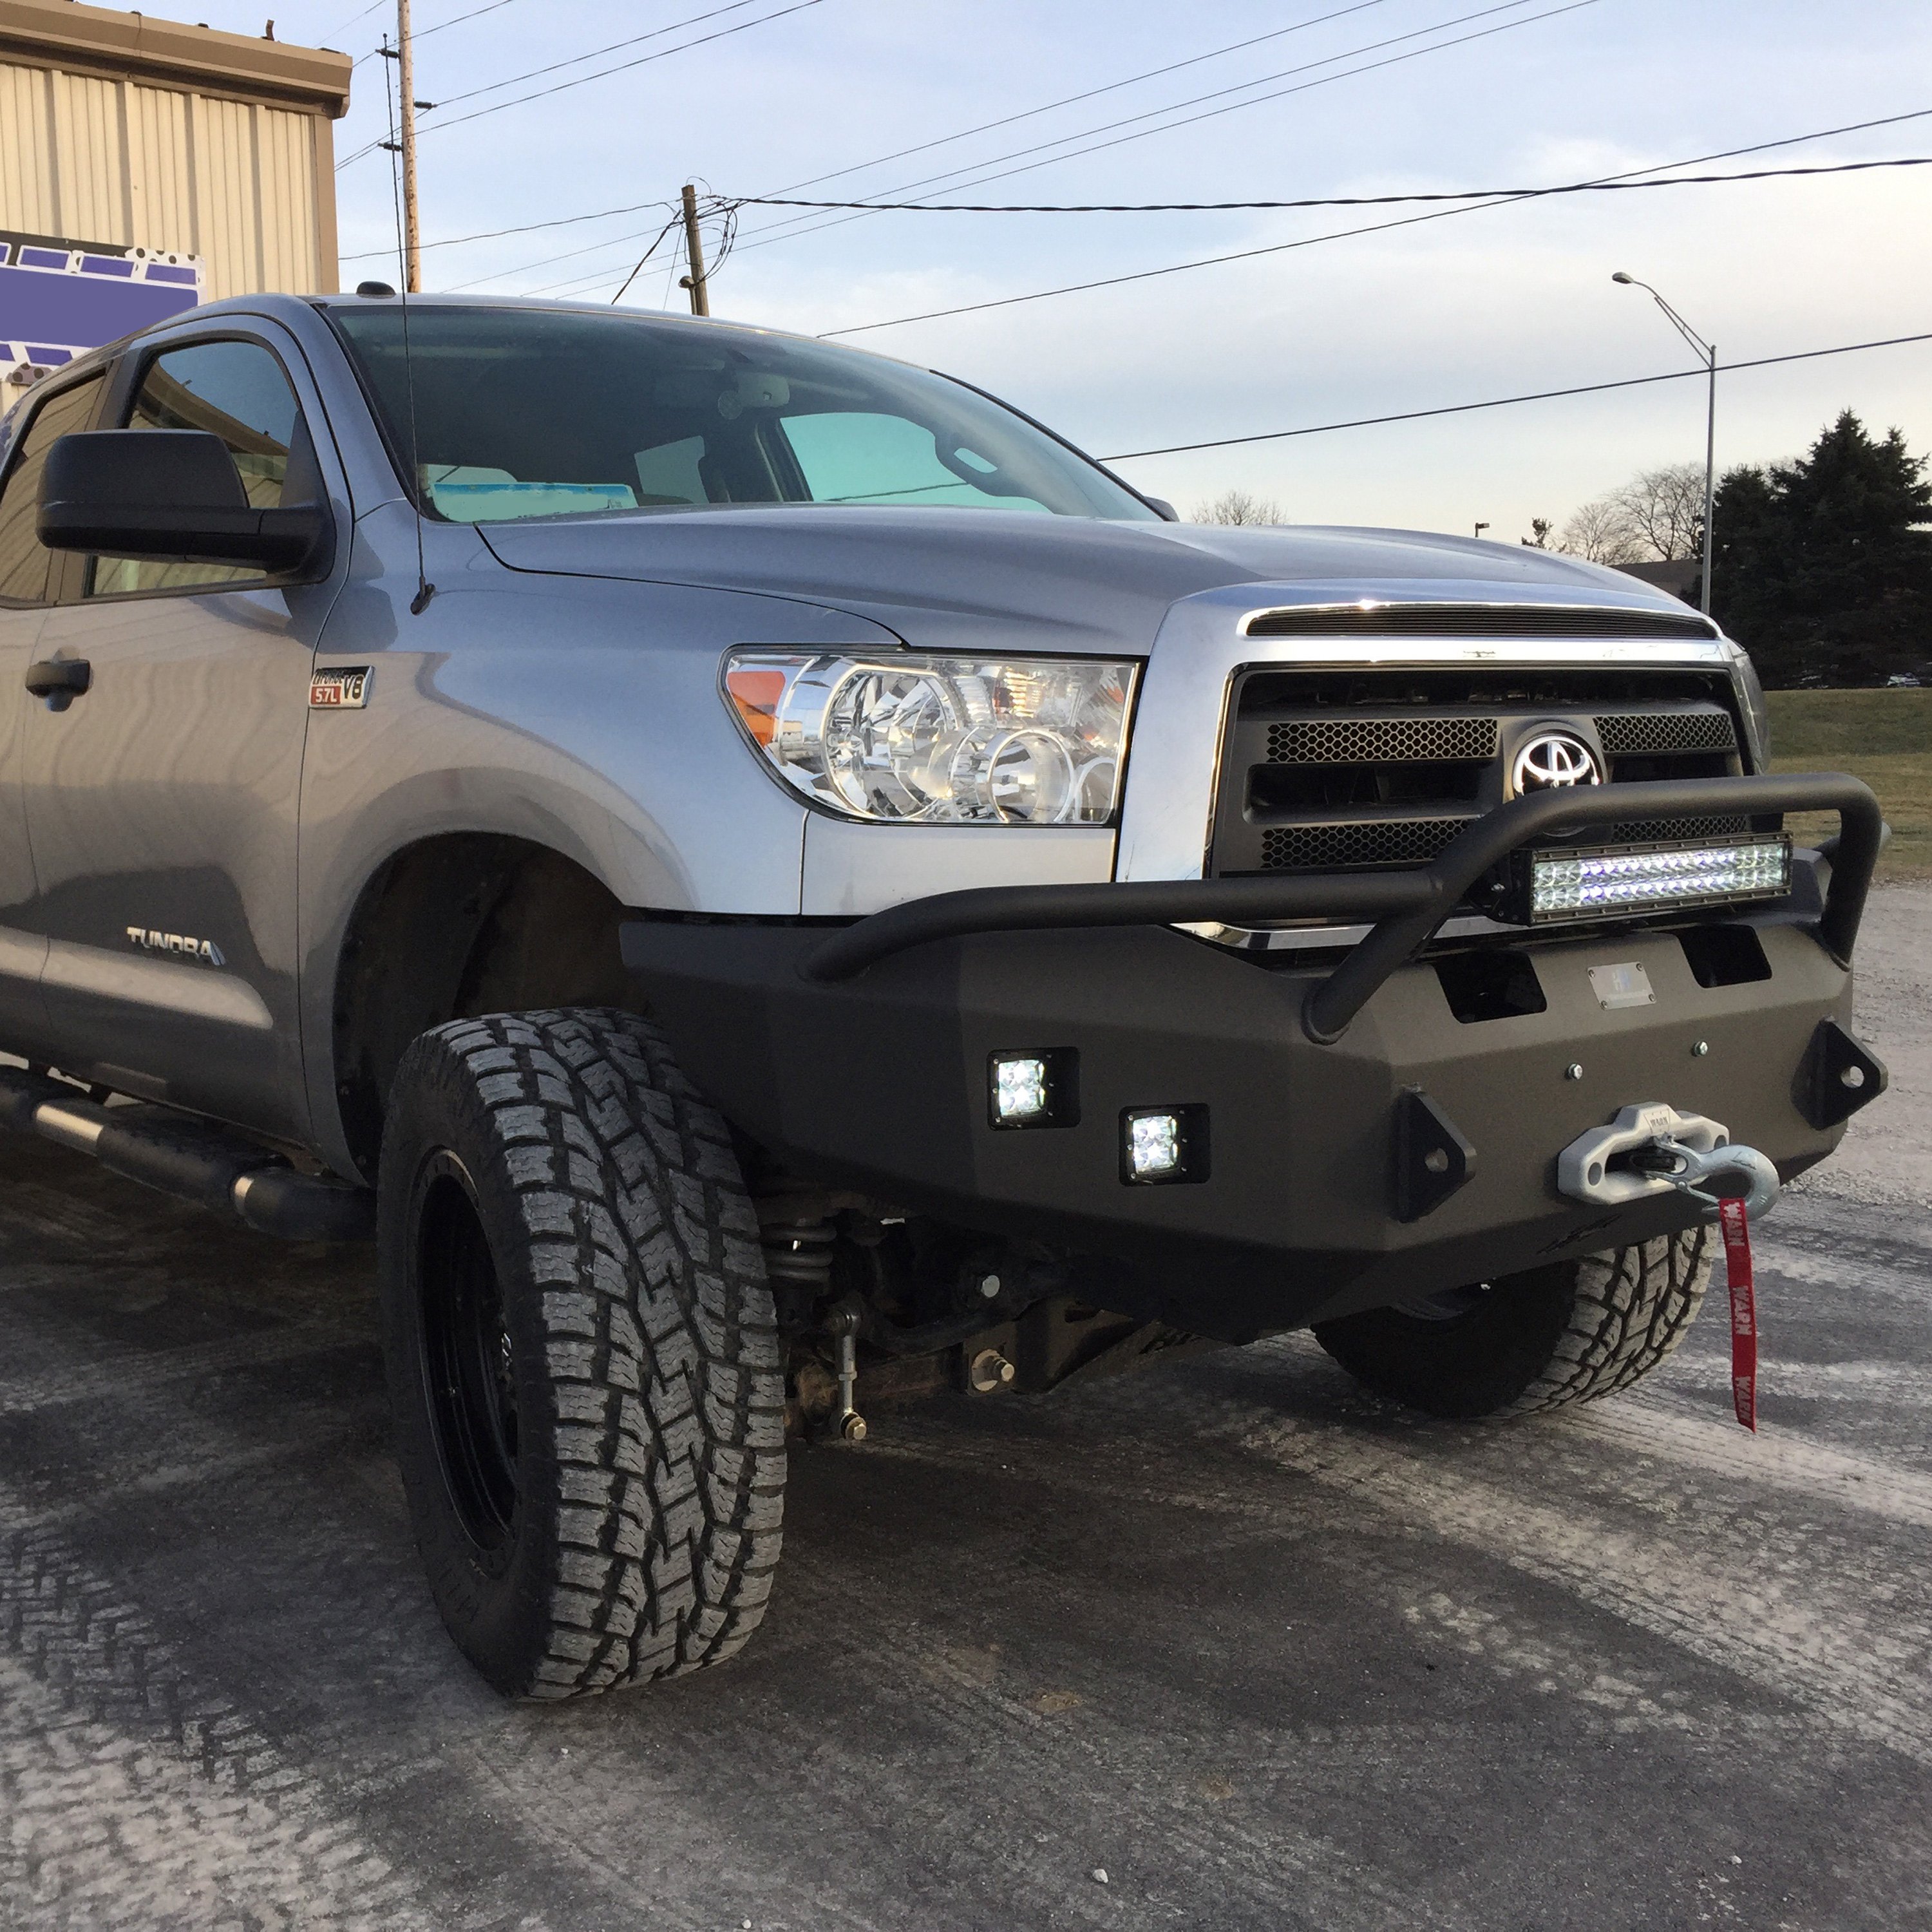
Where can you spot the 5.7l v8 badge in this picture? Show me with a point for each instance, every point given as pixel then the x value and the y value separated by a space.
pixel 344 688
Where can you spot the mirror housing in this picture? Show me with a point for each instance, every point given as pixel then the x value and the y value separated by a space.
pixel 171 496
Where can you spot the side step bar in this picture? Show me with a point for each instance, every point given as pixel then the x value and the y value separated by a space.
pixel 191 1160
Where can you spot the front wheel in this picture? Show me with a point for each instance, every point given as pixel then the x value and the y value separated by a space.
pixel 1569 1332
pixel 583 1360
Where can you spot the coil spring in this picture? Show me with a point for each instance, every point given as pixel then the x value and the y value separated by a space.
pixel 799 1252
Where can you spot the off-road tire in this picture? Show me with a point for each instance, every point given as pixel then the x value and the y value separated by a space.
pixel 637 1376
pixel 1573 1331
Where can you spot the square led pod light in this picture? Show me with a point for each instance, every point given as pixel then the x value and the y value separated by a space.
pixel 1162 1145
pixel 1608 881
pixel 1033 1086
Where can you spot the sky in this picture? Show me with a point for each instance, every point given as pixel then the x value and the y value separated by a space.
pixel 1389 96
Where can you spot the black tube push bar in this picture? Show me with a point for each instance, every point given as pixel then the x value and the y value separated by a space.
pixel 1407 907
pixel 1492 838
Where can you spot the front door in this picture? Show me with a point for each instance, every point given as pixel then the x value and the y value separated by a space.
pixel 26 571
pixel 161 804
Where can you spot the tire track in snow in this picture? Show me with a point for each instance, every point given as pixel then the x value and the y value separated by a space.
pixel 134 1797
pixel 1800 1611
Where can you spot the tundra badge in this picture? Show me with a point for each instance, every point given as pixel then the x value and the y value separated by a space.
pixel 179 943
pixel 344 688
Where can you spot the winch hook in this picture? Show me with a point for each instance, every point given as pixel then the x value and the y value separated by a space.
pixel 1687 1168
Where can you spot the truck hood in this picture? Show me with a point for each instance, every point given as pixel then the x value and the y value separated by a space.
pixel 945 579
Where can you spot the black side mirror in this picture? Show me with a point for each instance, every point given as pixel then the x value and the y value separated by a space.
pixel 171 496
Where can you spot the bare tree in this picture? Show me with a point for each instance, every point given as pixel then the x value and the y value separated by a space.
pixel 1238 506
pixel 1538 538
pixel 1601 532
pixel 1664 510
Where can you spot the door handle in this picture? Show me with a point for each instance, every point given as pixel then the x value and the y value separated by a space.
pixel 60 681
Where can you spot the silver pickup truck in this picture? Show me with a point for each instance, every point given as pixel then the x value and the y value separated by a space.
pixel 765 881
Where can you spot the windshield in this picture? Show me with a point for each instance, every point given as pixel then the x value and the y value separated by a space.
pixel 544 412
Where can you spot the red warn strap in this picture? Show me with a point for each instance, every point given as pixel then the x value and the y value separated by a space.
pixel 1743 1311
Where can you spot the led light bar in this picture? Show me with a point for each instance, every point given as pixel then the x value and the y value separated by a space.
pixel 1602 881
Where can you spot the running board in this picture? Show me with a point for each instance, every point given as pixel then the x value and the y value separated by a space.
pixel 190 1159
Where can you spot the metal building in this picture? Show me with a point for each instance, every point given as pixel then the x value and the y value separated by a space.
pixel 125 136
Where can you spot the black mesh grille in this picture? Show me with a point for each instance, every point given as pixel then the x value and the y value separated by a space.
pixel 1383 841
pixel 1363 741
pixel 1345 766
pixel 1638 831
pixel 1474 620
pixel 1666 731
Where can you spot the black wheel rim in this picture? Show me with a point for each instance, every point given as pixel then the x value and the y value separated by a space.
pixel 469 1370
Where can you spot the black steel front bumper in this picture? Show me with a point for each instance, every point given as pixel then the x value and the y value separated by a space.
pixel 863 1058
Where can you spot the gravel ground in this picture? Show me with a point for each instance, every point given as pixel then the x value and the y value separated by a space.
pixel 1267 1653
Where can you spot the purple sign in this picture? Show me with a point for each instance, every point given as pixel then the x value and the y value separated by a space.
pixel 58 298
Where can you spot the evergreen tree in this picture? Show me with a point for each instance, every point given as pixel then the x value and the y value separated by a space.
pixel 1820 571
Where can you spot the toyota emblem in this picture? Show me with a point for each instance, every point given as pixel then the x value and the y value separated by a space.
pixel 1552 759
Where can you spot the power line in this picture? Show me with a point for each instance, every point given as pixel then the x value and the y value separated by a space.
pixel 879 160
pixel 1345 234
pixel 604 74
pixel 778 230
pixel 624 67
pixel 1326 201
pixel 732 202
pixel 596 53
pixel 1414 53
pixel 1728 154
pixel 527 227
pixel 1071 100
pixel 423 33
pixel 1504 402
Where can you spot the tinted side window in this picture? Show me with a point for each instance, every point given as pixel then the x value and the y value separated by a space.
pixel 24 563
pixel 237 391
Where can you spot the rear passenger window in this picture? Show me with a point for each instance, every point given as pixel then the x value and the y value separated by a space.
pixel 24 561
pixel 237 391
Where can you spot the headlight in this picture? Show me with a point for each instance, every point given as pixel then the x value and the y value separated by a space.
pixel 1757 713
pixel 941 741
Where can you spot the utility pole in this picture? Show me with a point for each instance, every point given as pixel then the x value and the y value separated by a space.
pixel 694 249
pixel 407 77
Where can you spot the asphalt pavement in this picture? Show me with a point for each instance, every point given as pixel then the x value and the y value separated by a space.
pixel 1263 1651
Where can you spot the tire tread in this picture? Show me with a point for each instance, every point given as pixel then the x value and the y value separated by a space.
pixel 659 1337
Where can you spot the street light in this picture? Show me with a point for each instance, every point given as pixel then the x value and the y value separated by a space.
pixel 1480 528
pixel 1708 352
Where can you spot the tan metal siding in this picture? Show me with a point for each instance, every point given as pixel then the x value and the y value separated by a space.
pixel 89 160
pixel 288 223
pixel 115 161
pixel 224 151
pixel 27 199
pixel 163 170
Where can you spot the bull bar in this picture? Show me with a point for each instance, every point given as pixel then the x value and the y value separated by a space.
pixel 1408 908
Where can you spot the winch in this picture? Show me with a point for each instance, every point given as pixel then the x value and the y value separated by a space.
pixel 1651 1148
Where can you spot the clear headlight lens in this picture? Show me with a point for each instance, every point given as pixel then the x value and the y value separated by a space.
pixel 941 741
pixel 1756 711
